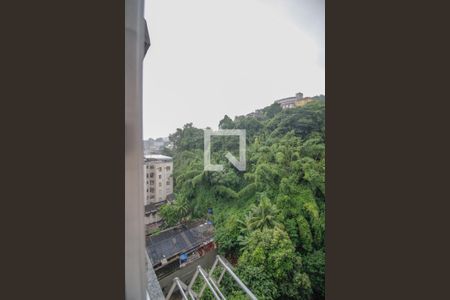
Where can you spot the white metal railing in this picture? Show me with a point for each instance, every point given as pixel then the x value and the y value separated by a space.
pixel 209 282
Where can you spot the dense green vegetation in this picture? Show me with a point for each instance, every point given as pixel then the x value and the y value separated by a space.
pixel 270 219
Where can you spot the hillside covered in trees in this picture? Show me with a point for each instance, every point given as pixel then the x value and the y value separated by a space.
pixel 270 219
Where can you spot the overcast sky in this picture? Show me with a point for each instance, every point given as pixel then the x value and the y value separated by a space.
pixel 209 58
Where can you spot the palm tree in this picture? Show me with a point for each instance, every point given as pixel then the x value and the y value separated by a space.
pixel 182 209
pixel 244 231
pixel 263 216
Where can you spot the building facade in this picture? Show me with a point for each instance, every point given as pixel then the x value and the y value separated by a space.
pixel 291 102
pixel 158 188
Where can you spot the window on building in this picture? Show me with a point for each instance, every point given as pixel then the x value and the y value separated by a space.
pixel 159 176
pixel 160 184
pixel 168 168
pixel 151 175
pixel 152 190
pixel 152 167
pixel 152 182
pixel 159 169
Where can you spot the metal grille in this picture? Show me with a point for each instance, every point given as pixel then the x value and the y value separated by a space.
pixel 208 282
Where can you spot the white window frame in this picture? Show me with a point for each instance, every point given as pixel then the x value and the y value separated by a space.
pixel 135 256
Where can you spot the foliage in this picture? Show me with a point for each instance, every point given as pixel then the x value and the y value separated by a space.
pixel 315 267
pixel 270 261
pixel 262 216
pixel 172 213
pixel 270 218
pixel 227 236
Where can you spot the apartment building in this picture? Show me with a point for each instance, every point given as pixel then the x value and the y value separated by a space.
pixel 158 187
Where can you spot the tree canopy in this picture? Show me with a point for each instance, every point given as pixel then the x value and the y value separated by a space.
pixel 269 219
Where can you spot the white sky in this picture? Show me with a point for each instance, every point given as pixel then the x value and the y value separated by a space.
pixel 209 58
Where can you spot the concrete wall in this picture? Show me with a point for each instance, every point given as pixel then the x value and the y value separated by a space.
pixel 185 274
pixel 152 218
pixel 302 102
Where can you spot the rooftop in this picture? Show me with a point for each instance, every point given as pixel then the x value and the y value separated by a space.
pixel 177 240
pixel 157 157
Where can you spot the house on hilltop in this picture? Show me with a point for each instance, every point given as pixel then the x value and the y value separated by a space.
pixel 291 102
